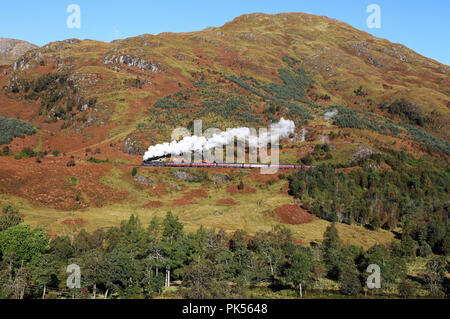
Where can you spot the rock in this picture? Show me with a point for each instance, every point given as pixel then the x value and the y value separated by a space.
pixel 133 146
pixel 21 64
pixel 143 180
pixel 16 84
pixel 11 50
pixel 219 179
pixel 72 41
pixel 132 60
pixel 375 62
pixel 362 153
pixel 185 176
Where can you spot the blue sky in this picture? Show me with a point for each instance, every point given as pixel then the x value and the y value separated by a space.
pixel 424 26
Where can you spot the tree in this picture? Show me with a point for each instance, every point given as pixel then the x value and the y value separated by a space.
pixel 44 272
pixel 269 252
pixel 174 244
pixel 406 248
pixel 332 246
pixel 10 217
pixel 436 232
pixel 19 244
pixel 393 269
pixel 307 160
pixel 434 277
pixel 445 246
pixel 61 249
pixel 94 273
pixel 120 271
pixel 425 249
pixel 350 283
pixel 202 280
pixel 153 281
pixel 172 228
pixel 134 237
pixel 300 271
pixel 81 243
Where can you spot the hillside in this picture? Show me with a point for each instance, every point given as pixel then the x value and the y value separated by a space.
pixel 12 49
pixel 102 104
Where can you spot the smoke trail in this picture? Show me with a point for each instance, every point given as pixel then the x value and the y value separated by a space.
pixel 200 143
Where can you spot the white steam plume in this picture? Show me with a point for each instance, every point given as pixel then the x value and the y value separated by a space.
pixel 200 143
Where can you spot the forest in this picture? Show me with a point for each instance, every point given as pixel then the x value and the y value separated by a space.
pixel 390 190
pixel 142 261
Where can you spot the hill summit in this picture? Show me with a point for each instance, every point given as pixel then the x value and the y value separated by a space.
pixel 12 49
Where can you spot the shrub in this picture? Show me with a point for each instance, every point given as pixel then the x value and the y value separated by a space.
pixel 10 217
pixel 407 110
pixel 97 161
pixel 350 283
pixel 307 160
pixel 407 289
pixel 134 171
pixel 360 91
pixel 5 151
pixel 241 185
pixel 27 152
pixel 10 128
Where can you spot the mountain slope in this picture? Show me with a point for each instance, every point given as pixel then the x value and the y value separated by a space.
pixel 336 56
pixel 104 103
pixel 12 49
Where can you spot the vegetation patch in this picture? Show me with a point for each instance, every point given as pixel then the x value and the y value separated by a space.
pixel 351 118
pixel 11 128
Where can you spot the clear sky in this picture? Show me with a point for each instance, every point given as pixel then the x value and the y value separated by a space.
pixel 422 25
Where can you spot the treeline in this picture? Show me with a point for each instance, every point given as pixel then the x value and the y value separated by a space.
pixel 137 261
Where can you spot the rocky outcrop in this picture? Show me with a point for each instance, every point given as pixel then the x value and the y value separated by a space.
pixel 135 61
pixel 143 180
pixel 185 176
pixel 362 153
pixel 11 50
pixel 133 146
pixel 21 64
pixel 16 84
pixel 219 179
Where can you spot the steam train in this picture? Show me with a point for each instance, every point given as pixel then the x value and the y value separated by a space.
pixel 155 163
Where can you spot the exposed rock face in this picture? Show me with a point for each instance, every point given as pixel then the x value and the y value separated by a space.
pixel 11 50
pixel 362 153
pixel 219 179
pixel 133 146
pixel 16 84
pixel 132 60
pixel 143 180
pixel 185 176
